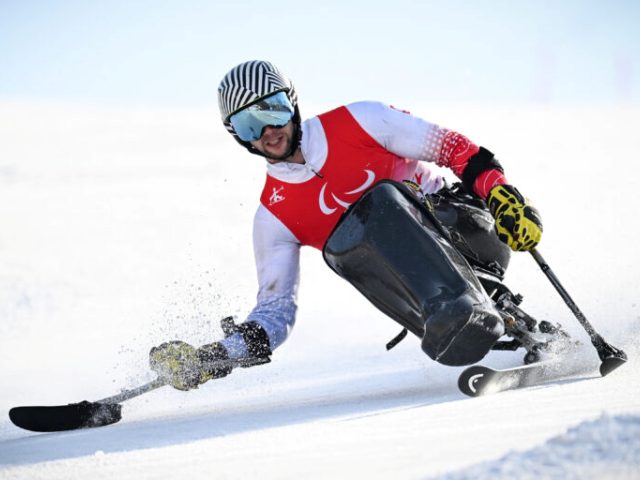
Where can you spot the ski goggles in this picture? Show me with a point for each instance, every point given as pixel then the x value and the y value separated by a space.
pixel 272 111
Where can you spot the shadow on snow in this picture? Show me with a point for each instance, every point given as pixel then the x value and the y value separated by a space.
pixel 373 394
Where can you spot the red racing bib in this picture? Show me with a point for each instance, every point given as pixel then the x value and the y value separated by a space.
pixel 355 161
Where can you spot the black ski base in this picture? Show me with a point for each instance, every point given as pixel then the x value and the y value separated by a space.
pixel 66 417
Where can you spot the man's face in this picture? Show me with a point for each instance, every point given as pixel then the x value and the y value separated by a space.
pixel 275 142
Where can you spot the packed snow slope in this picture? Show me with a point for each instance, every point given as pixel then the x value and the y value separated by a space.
pixel 123 229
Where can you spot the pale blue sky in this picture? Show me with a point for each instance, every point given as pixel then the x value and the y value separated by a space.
pixel 173 53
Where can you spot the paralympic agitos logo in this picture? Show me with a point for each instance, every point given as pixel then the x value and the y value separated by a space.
pixel 322 198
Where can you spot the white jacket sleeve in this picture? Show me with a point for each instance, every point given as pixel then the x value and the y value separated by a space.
pixel 277 257
pixel 405 135
pixel 400 132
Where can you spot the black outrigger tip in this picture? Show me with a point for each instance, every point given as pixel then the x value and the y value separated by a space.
pixel 610 356
pixel 66 417
pixel 608 365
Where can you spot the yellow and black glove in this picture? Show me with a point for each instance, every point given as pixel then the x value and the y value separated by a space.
pixel 518 224
pixel 184 367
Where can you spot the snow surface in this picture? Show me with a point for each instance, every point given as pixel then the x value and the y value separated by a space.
pixel 123 229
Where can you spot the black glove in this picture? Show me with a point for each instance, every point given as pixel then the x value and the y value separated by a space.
pixel 518 224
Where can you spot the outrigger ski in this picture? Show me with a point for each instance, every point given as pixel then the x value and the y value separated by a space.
pixel 85 414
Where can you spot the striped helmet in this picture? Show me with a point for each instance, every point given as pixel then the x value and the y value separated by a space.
pixel 247 83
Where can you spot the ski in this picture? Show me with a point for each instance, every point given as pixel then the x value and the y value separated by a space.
pixel 479 380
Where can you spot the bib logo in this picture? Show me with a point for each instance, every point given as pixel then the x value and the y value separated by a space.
pixel 322 202
pixel 276 197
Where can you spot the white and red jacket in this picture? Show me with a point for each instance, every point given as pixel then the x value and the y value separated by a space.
pixel 346 150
